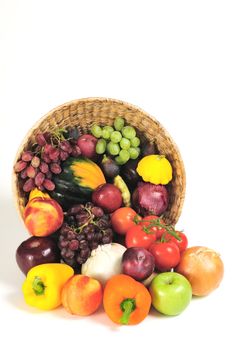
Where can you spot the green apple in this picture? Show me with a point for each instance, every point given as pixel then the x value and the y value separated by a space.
pixel 170 292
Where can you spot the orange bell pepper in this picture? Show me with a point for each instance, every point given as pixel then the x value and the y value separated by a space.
pixel 125 300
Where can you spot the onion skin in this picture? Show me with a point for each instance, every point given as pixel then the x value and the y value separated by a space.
pixel 150 199
pixel 203 268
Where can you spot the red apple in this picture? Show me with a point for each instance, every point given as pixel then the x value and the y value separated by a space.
pixel 87 145
pixel 108 197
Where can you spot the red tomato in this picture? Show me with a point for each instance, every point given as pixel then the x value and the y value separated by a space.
pixel 167 255
pixel 147 222
pixel 122 220
pixel 138 237
pixel 181 244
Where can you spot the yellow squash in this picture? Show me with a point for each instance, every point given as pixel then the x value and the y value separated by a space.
pixel 156 169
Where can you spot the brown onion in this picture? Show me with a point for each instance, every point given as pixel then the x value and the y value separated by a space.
pixel 203 268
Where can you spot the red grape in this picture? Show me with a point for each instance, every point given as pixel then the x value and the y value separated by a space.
pixel 44 167
pixel 47 148
pixel 76 151
pixel 23 174
pixel 55 168
pixel 49 185
pixel 46 157
pixel 54 154
pixel 73 244
pixel 39 179
pixel 31 172
pixel 27 156
pixel 79 239
pixel 35 162
pixel 63 155
pixel 40 139
pixel 29 185
pixel 65 146
pixel 19 166
pixel 47 136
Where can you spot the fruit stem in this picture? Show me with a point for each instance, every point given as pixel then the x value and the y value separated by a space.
pixel 127 306
pixel 157 223
pixel 38 286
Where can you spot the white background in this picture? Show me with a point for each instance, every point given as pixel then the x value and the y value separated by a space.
pixel 174 60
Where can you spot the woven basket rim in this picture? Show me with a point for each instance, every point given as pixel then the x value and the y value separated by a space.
pixel 94 99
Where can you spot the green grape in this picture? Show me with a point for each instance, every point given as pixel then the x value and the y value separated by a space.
pixel 134 152
pixel 116 136
pixel 124 155
pixel 109 128
pixel 96 131
pixel 105 134
pixel 119 160
pixel 101 146
pixel 119 123
pixel 125 143
pixel 128 132
pixel 113 148
pixel 135 142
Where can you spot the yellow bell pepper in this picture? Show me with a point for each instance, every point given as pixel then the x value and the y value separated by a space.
pixel 156 169
pixel 43 285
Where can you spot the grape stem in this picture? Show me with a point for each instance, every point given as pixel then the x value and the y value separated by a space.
pixel 90 221
pixel 57 136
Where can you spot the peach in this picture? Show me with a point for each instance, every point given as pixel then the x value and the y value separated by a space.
pixel 43 216
pixel 82 295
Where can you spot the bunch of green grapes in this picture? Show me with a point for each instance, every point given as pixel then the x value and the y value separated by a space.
pixel 120 141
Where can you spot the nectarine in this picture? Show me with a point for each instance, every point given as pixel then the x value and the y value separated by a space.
pixel 43 216
pixel 82 295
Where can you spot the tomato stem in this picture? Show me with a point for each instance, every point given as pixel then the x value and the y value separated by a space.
pixel 127 306
pixel 156 222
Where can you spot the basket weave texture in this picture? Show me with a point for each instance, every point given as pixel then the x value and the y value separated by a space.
pixel 102 111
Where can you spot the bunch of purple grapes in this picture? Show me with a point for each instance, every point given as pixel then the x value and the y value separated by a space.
pixel 85 227
pixel 37 166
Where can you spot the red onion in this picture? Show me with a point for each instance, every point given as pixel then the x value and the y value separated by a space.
pixel 150 199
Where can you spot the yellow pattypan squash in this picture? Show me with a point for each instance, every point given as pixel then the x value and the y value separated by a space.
pixel 156 169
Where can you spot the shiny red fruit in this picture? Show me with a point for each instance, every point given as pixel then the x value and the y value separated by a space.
pixel 87 144
pixel 123 219
pixel 138 236
pixel 166 254
pixel 181 243
pixel 108 197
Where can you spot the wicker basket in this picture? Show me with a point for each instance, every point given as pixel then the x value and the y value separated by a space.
pixel 85 112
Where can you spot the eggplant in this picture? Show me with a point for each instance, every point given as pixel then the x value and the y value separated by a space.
pixel 148 148
pixel 129 173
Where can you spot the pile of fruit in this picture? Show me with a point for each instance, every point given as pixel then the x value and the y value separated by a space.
pixel 94 210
